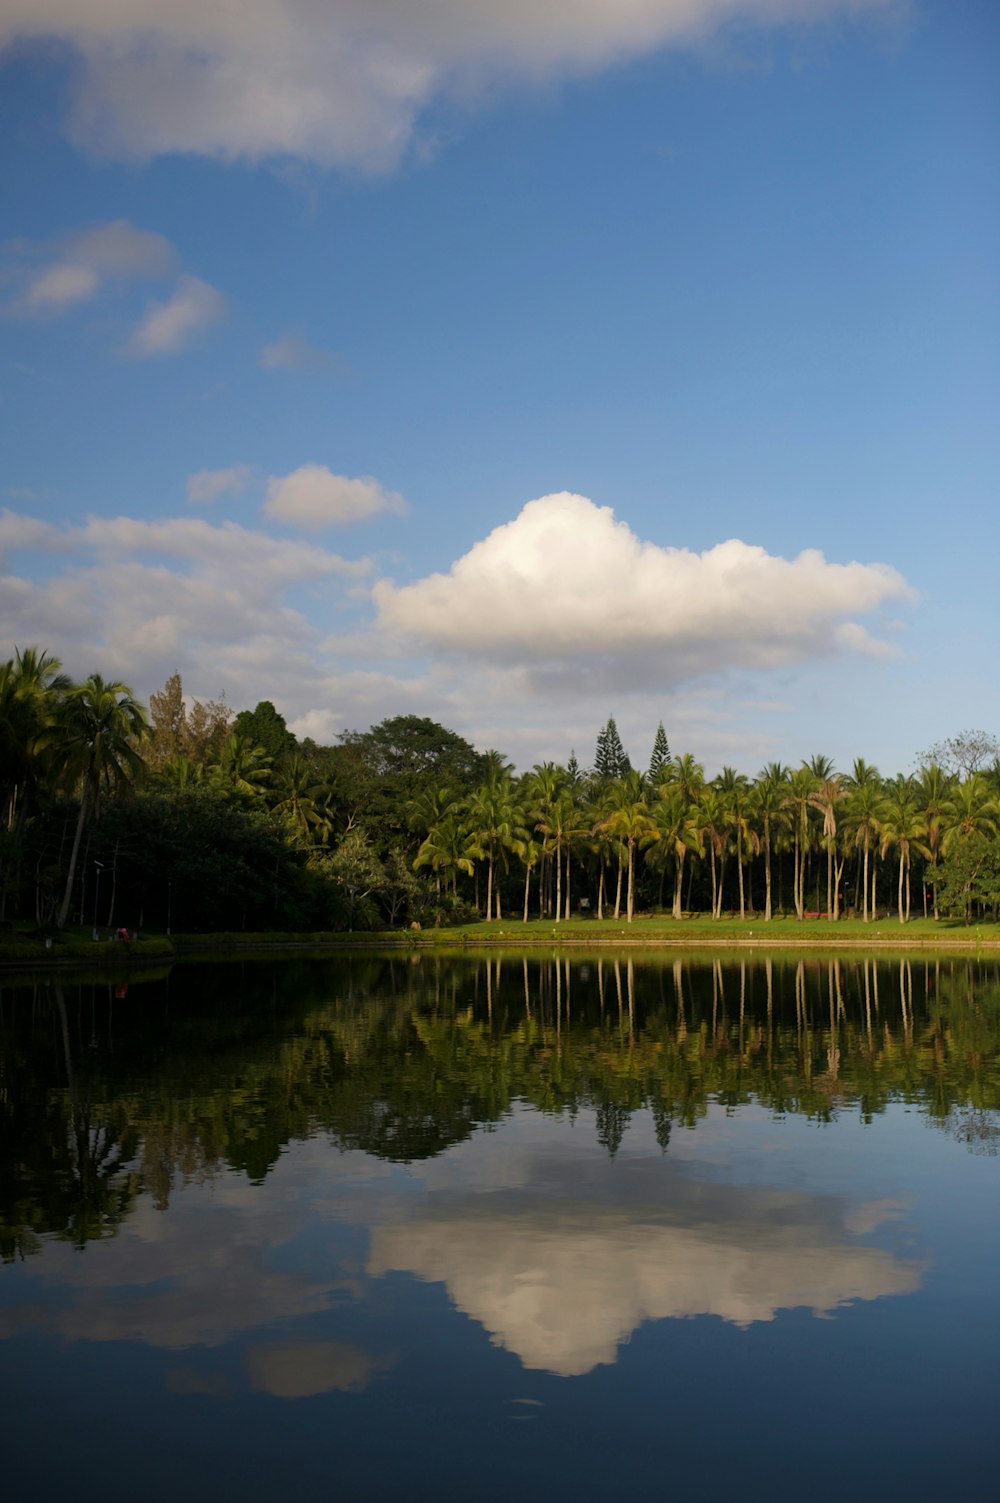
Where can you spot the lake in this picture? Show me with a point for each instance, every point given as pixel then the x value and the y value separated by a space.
pixel 412 1227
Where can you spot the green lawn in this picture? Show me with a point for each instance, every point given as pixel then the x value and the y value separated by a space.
pixel 699 928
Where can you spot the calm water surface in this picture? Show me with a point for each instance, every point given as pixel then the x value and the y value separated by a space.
pixel 408 1228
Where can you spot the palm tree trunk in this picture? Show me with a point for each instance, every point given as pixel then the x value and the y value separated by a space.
pixel 767 871
pixel 74 853
pixel 631 871
pixel 865 881
pixel 527 887
pixel 739 869
pixel 618 889
pixel 558 881
pixel 678 883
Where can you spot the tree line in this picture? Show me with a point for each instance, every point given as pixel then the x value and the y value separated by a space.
pixel 188 816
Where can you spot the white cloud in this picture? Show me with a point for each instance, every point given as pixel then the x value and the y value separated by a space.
pixel 172 325
pixel 208 485
pixel 293 353
pixel 343 83
pixel 314 498
pixel 567 584
pixel 79 266
pixel 140 599
pixel 58 288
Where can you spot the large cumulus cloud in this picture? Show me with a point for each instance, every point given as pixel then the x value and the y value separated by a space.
pixel 564 583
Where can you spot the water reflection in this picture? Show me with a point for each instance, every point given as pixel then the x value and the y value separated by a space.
pixel 103 1106
pixel 564 1267
pixel 404 1196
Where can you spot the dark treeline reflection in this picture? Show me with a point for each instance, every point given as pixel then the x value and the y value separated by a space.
pixel 108 1092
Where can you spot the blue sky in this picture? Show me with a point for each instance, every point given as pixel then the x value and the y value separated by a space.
pixel 511 365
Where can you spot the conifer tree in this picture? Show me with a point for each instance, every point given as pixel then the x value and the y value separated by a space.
pixel 610 760
pixel 661 753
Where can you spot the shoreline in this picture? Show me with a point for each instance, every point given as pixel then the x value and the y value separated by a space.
pixel 116 958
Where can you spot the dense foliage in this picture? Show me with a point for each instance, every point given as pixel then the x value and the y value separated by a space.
pixel 192 818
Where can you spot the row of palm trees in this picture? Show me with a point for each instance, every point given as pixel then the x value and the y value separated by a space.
pixel 553 821
pixel 737 837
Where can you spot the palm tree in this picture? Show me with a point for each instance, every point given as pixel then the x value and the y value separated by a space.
pixel 627 819
pixel 98 726
pixel 495 824
pixel 31 688
pixel 735 790
pixel 801 787
pixel 549 800
pixel 826 798
pixel 935 793
pixel 674 832
pixel 902 827
pixel 303 803
pixel 769 807
pixel 243 771
pixel 713 824
pixel 448 847
pixel 863 815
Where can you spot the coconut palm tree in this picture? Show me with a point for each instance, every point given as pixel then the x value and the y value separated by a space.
pixel 802 785
pixel 243 772
pixel 95 735
pixel 448 847
pixel 735 790
pixel 862 815
pixel 902 827
pixel 769 800
pixel 495 822
pixel 627 819
pixel 935 793
pixel 31 688
pixel 303 802
pixel 675 831
pixel 825 799
pixel 713 826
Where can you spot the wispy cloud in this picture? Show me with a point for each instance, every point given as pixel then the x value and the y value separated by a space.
pixel 207 485
pixel 54 278
pixel 294 353
pixel 346 83
pixel 172 325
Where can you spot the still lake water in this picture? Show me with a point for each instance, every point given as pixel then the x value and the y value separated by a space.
pixel 394 1227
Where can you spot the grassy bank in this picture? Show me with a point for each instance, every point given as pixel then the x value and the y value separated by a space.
pixel 20 951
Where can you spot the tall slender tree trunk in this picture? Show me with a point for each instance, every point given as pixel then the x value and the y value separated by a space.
pixel 767 870
pixel 74 853
pixel 618 889
pixel 678 883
